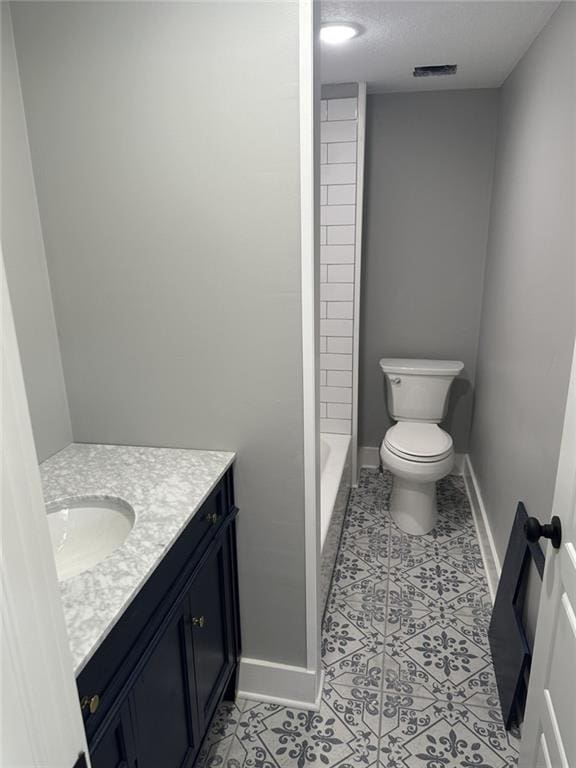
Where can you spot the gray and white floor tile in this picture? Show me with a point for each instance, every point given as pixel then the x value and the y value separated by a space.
pixel 409 678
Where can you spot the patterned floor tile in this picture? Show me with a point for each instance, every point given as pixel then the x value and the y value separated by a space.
pixel 435 586
pixel 219 740
pixel 457 673
pixel 362 661
pixel 369 544
pixel 341 638
pixel 420 733
pixel 439 580
pixel 349 569
pixel 478 693
pixel 407 553
pixel 409 681
pixel 343 733
pixel 405 617
pixel 442 651
pixel 361 671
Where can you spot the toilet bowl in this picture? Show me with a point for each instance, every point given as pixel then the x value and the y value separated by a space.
pixel 418 455
pixel 416 450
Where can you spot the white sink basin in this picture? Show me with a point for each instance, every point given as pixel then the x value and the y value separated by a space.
pixel 85 530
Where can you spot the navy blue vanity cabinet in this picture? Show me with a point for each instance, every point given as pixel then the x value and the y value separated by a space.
pixel 213 628
pixel 115 748
pixel 165 666
pixel 163 698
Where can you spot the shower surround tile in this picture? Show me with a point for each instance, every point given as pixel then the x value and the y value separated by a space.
pixel 409 678
pixel 339 217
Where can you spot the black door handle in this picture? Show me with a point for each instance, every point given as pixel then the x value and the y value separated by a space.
pixel 553 531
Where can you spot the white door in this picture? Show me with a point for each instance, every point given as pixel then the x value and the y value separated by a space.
pixel 40 719
pixel 549 728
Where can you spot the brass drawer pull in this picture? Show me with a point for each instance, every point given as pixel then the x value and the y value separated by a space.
pixel 198 621
pixel 212 517
pixel 90 703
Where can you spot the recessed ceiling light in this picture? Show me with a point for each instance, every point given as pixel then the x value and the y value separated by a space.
pixel 339 32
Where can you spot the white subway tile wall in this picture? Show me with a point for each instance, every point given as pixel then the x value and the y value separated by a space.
pixel 342 109
pixel 336 254
pixel 342 130
pixel 338 344
pixel 340 273
pixel 340 235
pixel 336 292
pixel 338 410
pixel 341 194
pixel 336 394
pixel 338 217
pixel 338 173
pixel 340 310
pixel 339 378
pixel 336 328
pixel 335 426
pixel 341 152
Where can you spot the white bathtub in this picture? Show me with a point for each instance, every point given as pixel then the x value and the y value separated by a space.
pixel 335 482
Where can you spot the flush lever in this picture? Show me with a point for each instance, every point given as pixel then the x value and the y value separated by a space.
pixel 396 380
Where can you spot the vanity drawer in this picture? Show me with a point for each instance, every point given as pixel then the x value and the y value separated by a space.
pixel 107 672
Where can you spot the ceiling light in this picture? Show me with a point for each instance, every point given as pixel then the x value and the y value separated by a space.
pixel 337 33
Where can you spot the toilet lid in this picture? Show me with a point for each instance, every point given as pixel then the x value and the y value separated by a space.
pixel 418 441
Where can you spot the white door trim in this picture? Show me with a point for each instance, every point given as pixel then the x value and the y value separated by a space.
pixel 550 692
pixel 360 152
pixel 40 718
pixel 309 246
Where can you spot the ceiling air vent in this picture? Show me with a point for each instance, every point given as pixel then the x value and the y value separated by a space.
pixel 435 71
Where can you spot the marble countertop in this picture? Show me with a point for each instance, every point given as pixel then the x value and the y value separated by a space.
pixel 164 486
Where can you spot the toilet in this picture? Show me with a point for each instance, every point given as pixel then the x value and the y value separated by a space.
pixel 416 450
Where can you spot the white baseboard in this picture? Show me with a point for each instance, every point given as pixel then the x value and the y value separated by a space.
pixel 295 687
pixel 369 456
pixel 492 564
pixel 458 468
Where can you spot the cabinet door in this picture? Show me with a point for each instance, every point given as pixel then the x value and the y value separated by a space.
pixel 165 721
pixel 115 748
pixel 213 629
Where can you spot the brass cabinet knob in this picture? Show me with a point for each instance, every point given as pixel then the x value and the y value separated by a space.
pixel 197 621
pixel 90 703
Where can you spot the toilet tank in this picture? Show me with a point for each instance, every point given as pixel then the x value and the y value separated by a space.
pixel 417 390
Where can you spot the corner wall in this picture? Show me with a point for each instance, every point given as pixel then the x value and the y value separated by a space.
pixel 168 162
pixel 529 305
pixel 26 270
pixel 429 161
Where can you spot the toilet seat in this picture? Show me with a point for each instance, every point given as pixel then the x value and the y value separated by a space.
pixel 418 441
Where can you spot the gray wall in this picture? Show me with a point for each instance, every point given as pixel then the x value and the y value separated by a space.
pixel 528 316
pixel 26 269
pixel 429 161
pixel 167 166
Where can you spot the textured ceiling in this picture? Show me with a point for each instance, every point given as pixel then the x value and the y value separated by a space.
pixel 485 39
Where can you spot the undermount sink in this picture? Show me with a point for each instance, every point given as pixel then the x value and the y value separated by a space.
pixel 85 530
